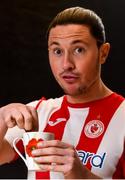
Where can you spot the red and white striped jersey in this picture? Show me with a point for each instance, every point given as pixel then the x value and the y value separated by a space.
pixel 96 129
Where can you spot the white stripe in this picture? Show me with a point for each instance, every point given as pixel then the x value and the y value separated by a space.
pixel 56 175
pixel 75 125
pixel 72 131
pixel 45 109
pixel 112 143
pixel 31 175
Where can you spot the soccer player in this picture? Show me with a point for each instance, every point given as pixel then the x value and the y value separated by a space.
pixel 88 121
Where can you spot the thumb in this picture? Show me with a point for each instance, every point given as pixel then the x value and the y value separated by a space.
pixel 34 114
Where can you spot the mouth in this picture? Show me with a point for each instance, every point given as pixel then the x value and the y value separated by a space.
pixel 70 78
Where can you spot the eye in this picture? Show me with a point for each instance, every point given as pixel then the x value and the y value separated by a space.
pixel 79 50
pixel 57 51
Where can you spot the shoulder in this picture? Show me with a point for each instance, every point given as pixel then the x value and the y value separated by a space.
pixel 51 102
pixel 119 100
pixel 115 98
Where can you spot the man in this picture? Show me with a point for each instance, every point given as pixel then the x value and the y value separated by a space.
pixel 88 121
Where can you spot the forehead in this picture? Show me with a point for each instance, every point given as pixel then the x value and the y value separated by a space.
pixel 69 32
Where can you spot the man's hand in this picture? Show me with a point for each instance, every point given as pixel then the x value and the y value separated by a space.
pixel 25 117
pixel 58 156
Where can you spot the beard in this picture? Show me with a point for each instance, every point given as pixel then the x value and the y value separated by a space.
pixel 77 92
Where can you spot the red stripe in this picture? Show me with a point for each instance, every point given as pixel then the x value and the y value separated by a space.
pixel 58 131
pixel 42 175
pixel 120 168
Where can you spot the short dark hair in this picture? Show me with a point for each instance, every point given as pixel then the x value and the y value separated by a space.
pixel 82 16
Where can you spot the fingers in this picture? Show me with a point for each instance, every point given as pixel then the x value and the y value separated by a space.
pixel 62 159
pixel 56 167
pixel 56 163
pixel 34 115
pixel 13 118
pixel 21 115
pixel 53 147
pixel 10 123
pixel 27 119
pixel 55 155
pixel 61 151
pixel 53 143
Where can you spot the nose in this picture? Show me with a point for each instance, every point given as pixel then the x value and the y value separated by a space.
pixel 68 63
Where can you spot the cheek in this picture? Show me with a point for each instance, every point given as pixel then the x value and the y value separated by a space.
pixel 55 64
pixel 52 63
pixel 89 69
pixel 83 67
pixel 54 67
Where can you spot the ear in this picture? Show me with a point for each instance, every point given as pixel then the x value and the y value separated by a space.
pixel 104 51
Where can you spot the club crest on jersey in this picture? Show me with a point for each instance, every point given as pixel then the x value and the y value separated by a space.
pixel 94 129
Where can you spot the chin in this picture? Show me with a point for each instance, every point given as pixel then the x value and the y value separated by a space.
pixel 71 93
pixel 75 92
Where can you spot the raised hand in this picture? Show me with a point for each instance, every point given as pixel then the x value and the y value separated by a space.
pixel 25 117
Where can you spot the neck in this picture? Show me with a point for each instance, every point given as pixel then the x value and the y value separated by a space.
pixel 97 91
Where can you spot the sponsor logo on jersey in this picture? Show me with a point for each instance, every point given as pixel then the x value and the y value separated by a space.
pixel 94 129
pixel 58 120
pixel 95 160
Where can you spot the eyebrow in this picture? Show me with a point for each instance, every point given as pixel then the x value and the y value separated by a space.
pixel 54 43
pixel 73 42
pixel 79 41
